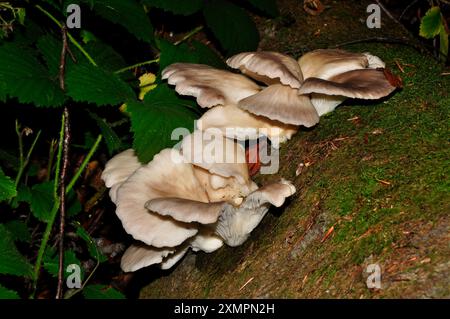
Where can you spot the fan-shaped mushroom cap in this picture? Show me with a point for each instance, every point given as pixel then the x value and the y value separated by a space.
pixel 282 103
pixel 361 84
pixel 118 169
pixel 206 241
pixel 343 74
pixel 267 66
pixel 210 86
pixel 236 223
pixel 242 125
pixel 165 176
pixel 326 63
pixel 171 260
pixel 139 255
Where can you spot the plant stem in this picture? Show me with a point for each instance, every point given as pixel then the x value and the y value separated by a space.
pixel 84 164
pixel 137 65
pixel 71 38
pixel 188 35
pixel 51 155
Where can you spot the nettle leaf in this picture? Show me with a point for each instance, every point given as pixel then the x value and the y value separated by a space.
pixel 18 230
pixel 101 292
pixel 88 83
pixel 5 293
pixel 430 26
pixel 51 262
pixel 11 261
pixel 50 49
pixel 7 187
pixel 181 7
pixel 24 77
pixel 41 200
pixel 198 53
pixel 112 140
pixel 269 7
pixel 232 26
pixel 105 56
pixel 92 246
pixel 154 119
pixel 129 14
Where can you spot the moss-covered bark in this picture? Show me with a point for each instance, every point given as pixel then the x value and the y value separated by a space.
pixel 377 174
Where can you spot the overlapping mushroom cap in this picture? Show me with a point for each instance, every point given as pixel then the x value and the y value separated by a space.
pixel 174 202
pixel 331 76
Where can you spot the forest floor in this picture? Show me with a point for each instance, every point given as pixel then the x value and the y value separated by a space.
pixel 373 189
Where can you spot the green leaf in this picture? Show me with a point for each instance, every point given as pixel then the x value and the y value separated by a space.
pixel 101 292
pixel 208 56
pixel 198 53
pixel 51 261
pixel 154 119
pixel 129 14
pixel 113 142
pixel 11 261
pixel 18 230
pixel 430 26
pixel 74 205
pixel 8 294
pixel 105 56
pixel 7 187
pixel 232 26
pixel 443 43
pixel 269 7
pixel 181 7
pixel 41 201
pixel 88 83
pixel 24 77
pixel 92 246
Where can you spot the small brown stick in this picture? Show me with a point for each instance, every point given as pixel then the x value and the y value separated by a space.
pixel 65 164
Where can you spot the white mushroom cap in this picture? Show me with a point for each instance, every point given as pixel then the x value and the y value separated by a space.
pixel 236 223
pixel 162 177
pixel 210 86
pixel 343 74
pixel 210 150
pixel 326 63
pixel 242 125
pixel 174 258
pixel 266 66
pixel 118 169
pixel 282 103
pixel 361 84
pixel 138 256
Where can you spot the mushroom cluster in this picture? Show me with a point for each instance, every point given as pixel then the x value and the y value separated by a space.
pixel 200 195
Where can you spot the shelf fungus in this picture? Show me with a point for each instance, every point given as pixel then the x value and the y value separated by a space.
pixel 188 198
pixel 285 93
pixel 220 91
pixel 331 76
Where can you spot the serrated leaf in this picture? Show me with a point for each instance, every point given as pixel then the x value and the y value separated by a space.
pixel 51 261
pixel 129 14
pixel 7 187
pixel 181 7
pixel 18 230
pixel 92 246
pixel 7 293
pixel 430 26
pixel 24 77
pixel 101 292
pixel 154 119
pixel 198 53
pixel 41 201
pixel 105 56
pixel 11 261
pixel 88 83
pixel 232 26
pixel 112 141
pixel 269 7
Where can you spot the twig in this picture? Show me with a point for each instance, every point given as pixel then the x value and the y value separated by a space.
pixel 407 8
pixel 402 41
pixel 188 35
pixel 71 38
pixel 65 164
